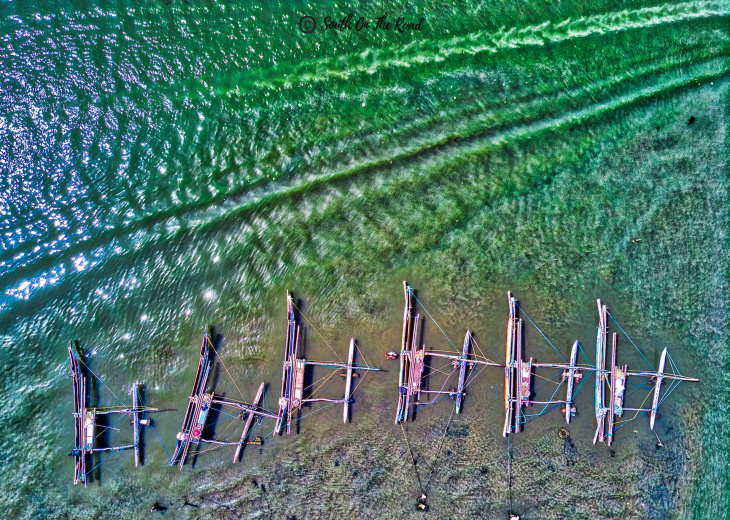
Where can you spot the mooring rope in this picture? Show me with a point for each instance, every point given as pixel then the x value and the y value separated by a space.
pixel 441 445
pixel 509 474
pixel 413 458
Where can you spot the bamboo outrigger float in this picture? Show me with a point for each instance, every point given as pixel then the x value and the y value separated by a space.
pixel 658 378
pixel 412 363
pixel 85 421
pixel 618 377
pixel 572 373
pixel 292 378
pixel 199 406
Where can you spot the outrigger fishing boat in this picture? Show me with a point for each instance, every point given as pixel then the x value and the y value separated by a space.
pixel 200 404
pixel 518 374
pixel 412 363
pixel 616 379
pixel 292 378
pixel 85 421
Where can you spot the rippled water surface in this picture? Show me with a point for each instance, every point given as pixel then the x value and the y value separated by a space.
pixel 167 164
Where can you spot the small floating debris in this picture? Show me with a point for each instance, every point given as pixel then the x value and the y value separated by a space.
pixel 691 120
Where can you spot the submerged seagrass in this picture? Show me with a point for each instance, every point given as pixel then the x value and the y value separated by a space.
pixel 168 164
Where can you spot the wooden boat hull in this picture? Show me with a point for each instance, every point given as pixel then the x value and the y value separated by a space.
pixel 185 437
pixel 509 367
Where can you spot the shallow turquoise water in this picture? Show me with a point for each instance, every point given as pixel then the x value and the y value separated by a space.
pixel 171 164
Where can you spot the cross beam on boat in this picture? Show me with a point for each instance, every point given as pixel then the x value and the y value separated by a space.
pixel 199 406
pixel 617 377
pixel 85 421
pixel 572 373
pixel 292 377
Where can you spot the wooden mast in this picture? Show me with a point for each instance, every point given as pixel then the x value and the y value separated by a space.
pixel 517 400
pixel 135 423
pixel 403 379
pixel 570 382
pixel 600 373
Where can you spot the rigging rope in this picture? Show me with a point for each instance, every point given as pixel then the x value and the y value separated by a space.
pixel 435 322
pixel 670 391
pixel 584 356
pixel 630 340
pixel 323 382
pixel 100 380
pixel 480 349
pixel 225 367
pixel 638 412
pixel 161 441
pixel 102 462
pixel 543 335
pixel 315 330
